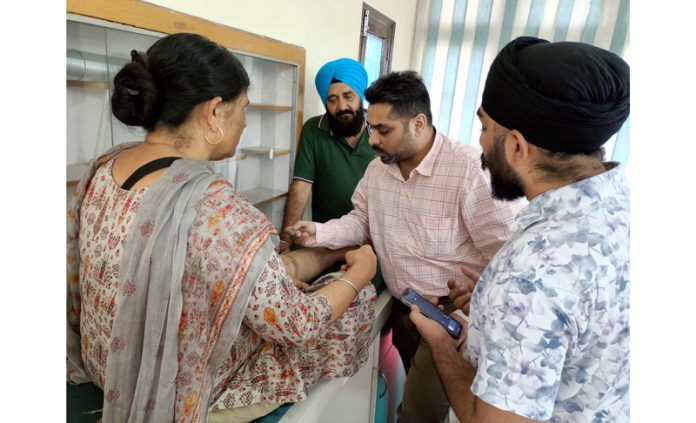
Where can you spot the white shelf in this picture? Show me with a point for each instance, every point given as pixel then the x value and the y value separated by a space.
pixel 97 85
pixel 270 107
pixel 263 151
pixel 75 172
pixel 261 195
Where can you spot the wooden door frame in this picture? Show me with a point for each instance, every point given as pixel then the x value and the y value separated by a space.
pixel 385 28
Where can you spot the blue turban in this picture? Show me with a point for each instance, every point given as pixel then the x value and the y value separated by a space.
pixel 348 71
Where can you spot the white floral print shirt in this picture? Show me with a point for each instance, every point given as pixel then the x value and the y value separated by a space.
pixel 549 327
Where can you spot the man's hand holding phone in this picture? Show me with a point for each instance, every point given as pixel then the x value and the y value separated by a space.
pixel 430 321
pixel 433 332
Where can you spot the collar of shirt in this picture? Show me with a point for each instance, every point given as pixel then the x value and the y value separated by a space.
pixel 323 124
pixel 568 198
pixel 427 165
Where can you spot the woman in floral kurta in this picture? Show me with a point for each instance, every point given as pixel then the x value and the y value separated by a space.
pixel 177 301
pixel 285 342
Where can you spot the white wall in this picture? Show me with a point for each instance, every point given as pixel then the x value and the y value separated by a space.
pixel 327 29
pixel 420 34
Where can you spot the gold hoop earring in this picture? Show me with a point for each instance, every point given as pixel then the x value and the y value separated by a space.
pixel 205 134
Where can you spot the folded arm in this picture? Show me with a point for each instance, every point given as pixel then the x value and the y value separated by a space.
pixel 307 263
pixel 282 314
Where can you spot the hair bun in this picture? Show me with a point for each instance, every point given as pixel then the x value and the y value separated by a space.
pixel 160 88
pixel 134 99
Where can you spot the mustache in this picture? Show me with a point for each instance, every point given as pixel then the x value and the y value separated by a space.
pixel 378 150
pixel 344 112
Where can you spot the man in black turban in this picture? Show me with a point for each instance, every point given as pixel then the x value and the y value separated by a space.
pixel 548 332
pixel 566 99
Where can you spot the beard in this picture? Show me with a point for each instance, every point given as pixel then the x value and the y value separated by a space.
pixel 406 143
pixel 385 157
pixel 346 123
pixel 505 184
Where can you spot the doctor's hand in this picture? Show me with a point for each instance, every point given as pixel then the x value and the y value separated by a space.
pixel 303 232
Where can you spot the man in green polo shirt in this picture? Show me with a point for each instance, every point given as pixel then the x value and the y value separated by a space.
pixel 333 152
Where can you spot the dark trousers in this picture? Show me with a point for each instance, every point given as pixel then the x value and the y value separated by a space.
pixel 424 398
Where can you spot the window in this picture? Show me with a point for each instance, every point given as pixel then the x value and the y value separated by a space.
pixel 376 43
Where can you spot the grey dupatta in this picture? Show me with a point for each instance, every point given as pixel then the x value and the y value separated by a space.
pixel 142 366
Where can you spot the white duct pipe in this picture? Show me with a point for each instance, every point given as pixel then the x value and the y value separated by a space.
pixel 83 66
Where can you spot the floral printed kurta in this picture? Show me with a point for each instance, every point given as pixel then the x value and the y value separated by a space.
pixel 285 343
pixel 549 328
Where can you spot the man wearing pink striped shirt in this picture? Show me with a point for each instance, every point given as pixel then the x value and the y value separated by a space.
pixel 427 208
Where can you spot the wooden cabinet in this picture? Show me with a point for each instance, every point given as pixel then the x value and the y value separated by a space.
pixel 100 36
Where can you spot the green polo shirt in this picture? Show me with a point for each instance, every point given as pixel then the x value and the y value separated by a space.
pixel 334 169
pixel 332 166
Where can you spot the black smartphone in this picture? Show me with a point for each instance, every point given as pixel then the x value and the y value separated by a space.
pixel 453 327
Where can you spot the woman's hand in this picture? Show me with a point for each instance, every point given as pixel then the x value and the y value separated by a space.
pixel 363 262
pixel 284 245
pixel 301 285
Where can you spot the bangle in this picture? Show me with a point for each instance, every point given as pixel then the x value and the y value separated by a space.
pixel 352 285
pixel 284 242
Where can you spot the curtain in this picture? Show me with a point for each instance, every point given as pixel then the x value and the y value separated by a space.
pixel 460 38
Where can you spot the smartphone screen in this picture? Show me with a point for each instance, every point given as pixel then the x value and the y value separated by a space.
pixel 453 327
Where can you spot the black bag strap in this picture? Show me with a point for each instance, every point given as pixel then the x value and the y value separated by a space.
pixel 148 168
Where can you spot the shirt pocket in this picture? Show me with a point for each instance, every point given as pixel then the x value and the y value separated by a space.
pixel 433 237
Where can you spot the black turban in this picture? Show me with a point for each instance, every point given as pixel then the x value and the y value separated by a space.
pixel 564 97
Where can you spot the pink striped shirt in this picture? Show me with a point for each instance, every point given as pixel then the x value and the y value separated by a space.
pixel 425 227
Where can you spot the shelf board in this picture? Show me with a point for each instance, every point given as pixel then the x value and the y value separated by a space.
pixel 97 85
pixel 74 173
pixel 261 195
pixel 260 106
pixel 262 151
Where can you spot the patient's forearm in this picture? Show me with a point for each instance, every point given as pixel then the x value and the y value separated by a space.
pixel 308 263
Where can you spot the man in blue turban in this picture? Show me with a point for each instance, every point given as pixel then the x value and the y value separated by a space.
pixel 348 71
pixel 334 150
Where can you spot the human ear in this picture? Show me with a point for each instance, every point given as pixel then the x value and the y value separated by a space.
pixel 418 124
pixel 517 148
pixel 210 110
